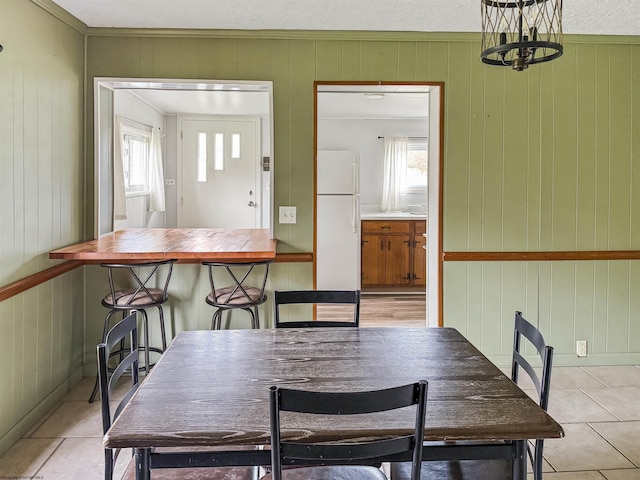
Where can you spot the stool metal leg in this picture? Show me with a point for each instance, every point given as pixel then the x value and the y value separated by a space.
pixel 162 328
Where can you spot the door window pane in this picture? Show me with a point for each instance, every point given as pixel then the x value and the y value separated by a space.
pixel 218 154
pixel 235 145
pixel 201 153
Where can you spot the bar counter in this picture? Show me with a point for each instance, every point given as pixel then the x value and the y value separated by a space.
pixel 188 245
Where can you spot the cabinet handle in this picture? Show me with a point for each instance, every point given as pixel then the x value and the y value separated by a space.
pixel 389 245
pixel 385 227
pixel 381 244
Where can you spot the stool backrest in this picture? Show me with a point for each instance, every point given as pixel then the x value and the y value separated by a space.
pixel 235 279
pixel 146 283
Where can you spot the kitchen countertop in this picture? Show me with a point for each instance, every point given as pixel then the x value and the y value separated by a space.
pixel 392 216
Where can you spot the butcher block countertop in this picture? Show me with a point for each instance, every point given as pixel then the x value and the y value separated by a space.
pixel 188 245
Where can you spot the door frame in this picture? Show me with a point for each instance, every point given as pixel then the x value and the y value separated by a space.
pixel 258 148
pixel 435 186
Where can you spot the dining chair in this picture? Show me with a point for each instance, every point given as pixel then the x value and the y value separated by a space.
pixel 317 297
pixel 243 287
pixel 137 286
pixel 500 469
pixel 126 331
pixel 346 460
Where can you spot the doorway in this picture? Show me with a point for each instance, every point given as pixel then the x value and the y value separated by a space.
pixel 219 172
pixel 359 103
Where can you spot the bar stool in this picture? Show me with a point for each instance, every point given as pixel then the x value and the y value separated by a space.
pixel 237 293
pixel 147 285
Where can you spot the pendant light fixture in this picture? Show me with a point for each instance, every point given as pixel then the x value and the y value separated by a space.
pixel 520 33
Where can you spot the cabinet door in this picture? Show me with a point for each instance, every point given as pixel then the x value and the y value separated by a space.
pixel 420 261
pixel 397 259
pixel 373 255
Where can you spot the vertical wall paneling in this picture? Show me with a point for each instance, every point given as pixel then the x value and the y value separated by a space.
pixel 493 161
pixel 565 171
pixel 458 169
pixel 620 154
pixel 586 145
pixel 530 164
pixel 41 191
pixel 603 130
pixel 530 193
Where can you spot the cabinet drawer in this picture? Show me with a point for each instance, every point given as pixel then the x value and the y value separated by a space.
pixel 388 226
pixel 420 227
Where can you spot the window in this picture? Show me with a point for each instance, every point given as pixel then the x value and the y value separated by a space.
pixel 417 164
pixel 135 159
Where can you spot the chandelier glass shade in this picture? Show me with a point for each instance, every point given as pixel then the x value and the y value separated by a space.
pixel 521 33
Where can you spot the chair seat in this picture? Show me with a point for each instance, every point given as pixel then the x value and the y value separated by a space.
pixel 346 472
pixel 462 470
pixel 126 298
pixel 235 296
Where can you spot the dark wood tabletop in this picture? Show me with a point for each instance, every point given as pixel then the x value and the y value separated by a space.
pixel 211 387
pixel 188 245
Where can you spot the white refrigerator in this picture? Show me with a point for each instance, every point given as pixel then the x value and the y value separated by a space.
pixel 338 220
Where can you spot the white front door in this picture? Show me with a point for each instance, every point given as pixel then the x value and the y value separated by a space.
pixel 220 172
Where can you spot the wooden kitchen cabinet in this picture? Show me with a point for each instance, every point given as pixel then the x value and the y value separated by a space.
pixel 388 256
pixel 419 270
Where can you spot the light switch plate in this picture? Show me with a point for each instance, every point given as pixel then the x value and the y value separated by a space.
pixel 287 215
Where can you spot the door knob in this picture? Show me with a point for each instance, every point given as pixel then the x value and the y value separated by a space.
pixel 252 204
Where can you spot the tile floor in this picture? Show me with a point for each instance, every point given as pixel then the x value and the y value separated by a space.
pixel 599 408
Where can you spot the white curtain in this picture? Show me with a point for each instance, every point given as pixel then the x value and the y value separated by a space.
pixel 119 197
pixel 394 186
pixel 156 176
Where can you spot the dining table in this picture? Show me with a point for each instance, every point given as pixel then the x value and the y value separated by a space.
pixel 211 388
pixel 187 245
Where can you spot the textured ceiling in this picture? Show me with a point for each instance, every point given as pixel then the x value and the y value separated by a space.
pixel 603 17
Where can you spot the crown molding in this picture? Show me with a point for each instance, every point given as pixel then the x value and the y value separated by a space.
pixel 287 34
pixel 62 15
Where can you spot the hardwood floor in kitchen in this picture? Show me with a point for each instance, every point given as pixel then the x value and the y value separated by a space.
pixel 377 310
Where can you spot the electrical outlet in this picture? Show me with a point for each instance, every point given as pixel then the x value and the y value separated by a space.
pixel 581 348
pixel 287 215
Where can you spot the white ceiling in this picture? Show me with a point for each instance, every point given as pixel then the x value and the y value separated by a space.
pixel 601 17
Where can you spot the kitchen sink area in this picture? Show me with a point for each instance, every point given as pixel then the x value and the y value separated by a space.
pixel 371 212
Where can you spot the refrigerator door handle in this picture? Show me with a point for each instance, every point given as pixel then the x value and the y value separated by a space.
pixel 356 213
pixel 356 177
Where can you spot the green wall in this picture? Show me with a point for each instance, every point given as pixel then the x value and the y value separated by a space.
pixel 534 161
pixel 41 198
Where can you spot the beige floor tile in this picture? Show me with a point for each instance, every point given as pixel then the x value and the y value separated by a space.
pixel 623 402
pixel 27 456
pixel 82 390
pixel 591 475
pixel 572 377
pixel 625 436
pixel 571 405
pixel 79 458
pixel 582 449
pixel 73 419
pixel 616 376
pixel 621 474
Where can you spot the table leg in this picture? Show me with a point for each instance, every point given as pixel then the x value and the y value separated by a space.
pixel 142 464
pixel 520 460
